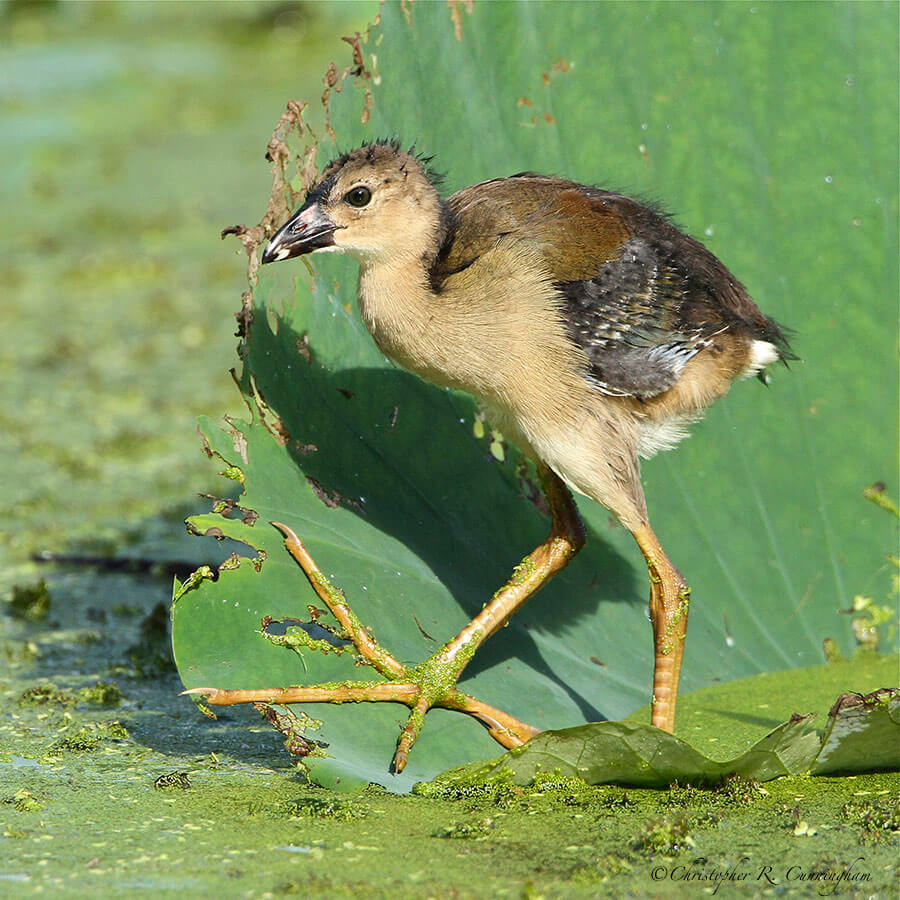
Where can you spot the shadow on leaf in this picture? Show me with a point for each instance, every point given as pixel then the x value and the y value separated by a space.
pixel 401 454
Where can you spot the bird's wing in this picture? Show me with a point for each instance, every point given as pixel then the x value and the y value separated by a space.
pixel 630 323
pixel 637 297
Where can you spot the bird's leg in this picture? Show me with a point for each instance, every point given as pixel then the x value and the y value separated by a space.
pixel 669 602
pixel 444 667
pixel 403 685
pixel 566 538
pixel 433 682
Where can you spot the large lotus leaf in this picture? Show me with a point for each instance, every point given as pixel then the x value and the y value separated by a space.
pixel 771 129
pixel 864 740
pixel 861 734
pixel 638 755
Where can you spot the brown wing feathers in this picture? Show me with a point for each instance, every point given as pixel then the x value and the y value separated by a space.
pixel 638 297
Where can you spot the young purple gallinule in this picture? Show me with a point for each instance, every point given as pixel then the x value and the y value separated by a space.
pixel 592 331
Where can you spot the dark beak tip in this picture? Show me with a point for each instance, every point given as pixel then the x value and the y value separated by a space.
pixel 296 238
pixel 278 249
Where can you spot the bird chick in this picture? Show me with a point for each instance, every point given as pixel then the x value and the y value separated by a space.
pixel 591 329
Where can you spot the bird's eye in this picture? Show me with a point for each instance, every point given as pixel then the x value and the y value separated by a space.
pixel 358 196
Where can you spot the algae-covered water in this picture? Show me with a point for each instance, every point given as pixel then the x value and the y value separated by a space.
pixel 130 134
pixel 111 783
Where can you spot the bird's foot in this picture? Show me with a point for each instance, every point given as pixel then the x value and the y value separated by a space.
pixel 431 683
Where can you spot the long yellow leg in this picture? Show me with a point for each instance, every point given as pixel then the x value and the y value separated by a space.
pixel 433 682
pixel 669 604
pixel 566 538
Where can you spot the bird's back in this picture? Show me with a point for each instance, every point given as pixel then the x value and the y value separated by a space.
pixel 637 296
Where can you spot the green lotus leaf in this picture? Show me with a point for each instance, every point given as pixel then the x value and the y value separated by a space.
pixel 762 126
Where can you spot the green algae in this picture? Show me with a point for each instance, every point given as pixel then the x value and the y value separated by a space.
pixel 173 780
pixel 328 807
pixel 103 693
pixel 116 285
pixel 878 819
pixel 88 738
pixel 522 571
pixel 476 829
pixel 669 836
pixel 46 694
pixel 298 640
pixel 233 473
pixel 126 807
pixel 24 801
pixel 30 602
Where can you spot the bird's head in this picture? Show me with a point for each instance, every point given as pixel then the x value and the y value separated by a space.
pixel 378 203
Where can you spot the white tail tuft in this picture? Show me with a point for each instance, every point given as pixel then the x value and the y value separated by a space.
pixel 762 353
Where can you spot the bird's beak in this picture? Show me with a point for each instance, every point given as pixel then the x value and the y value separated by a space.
pixel 307 230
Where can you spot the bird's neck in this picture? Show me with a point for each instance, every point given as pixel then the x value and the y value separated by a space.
pixel 481 332
pixel 398 305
